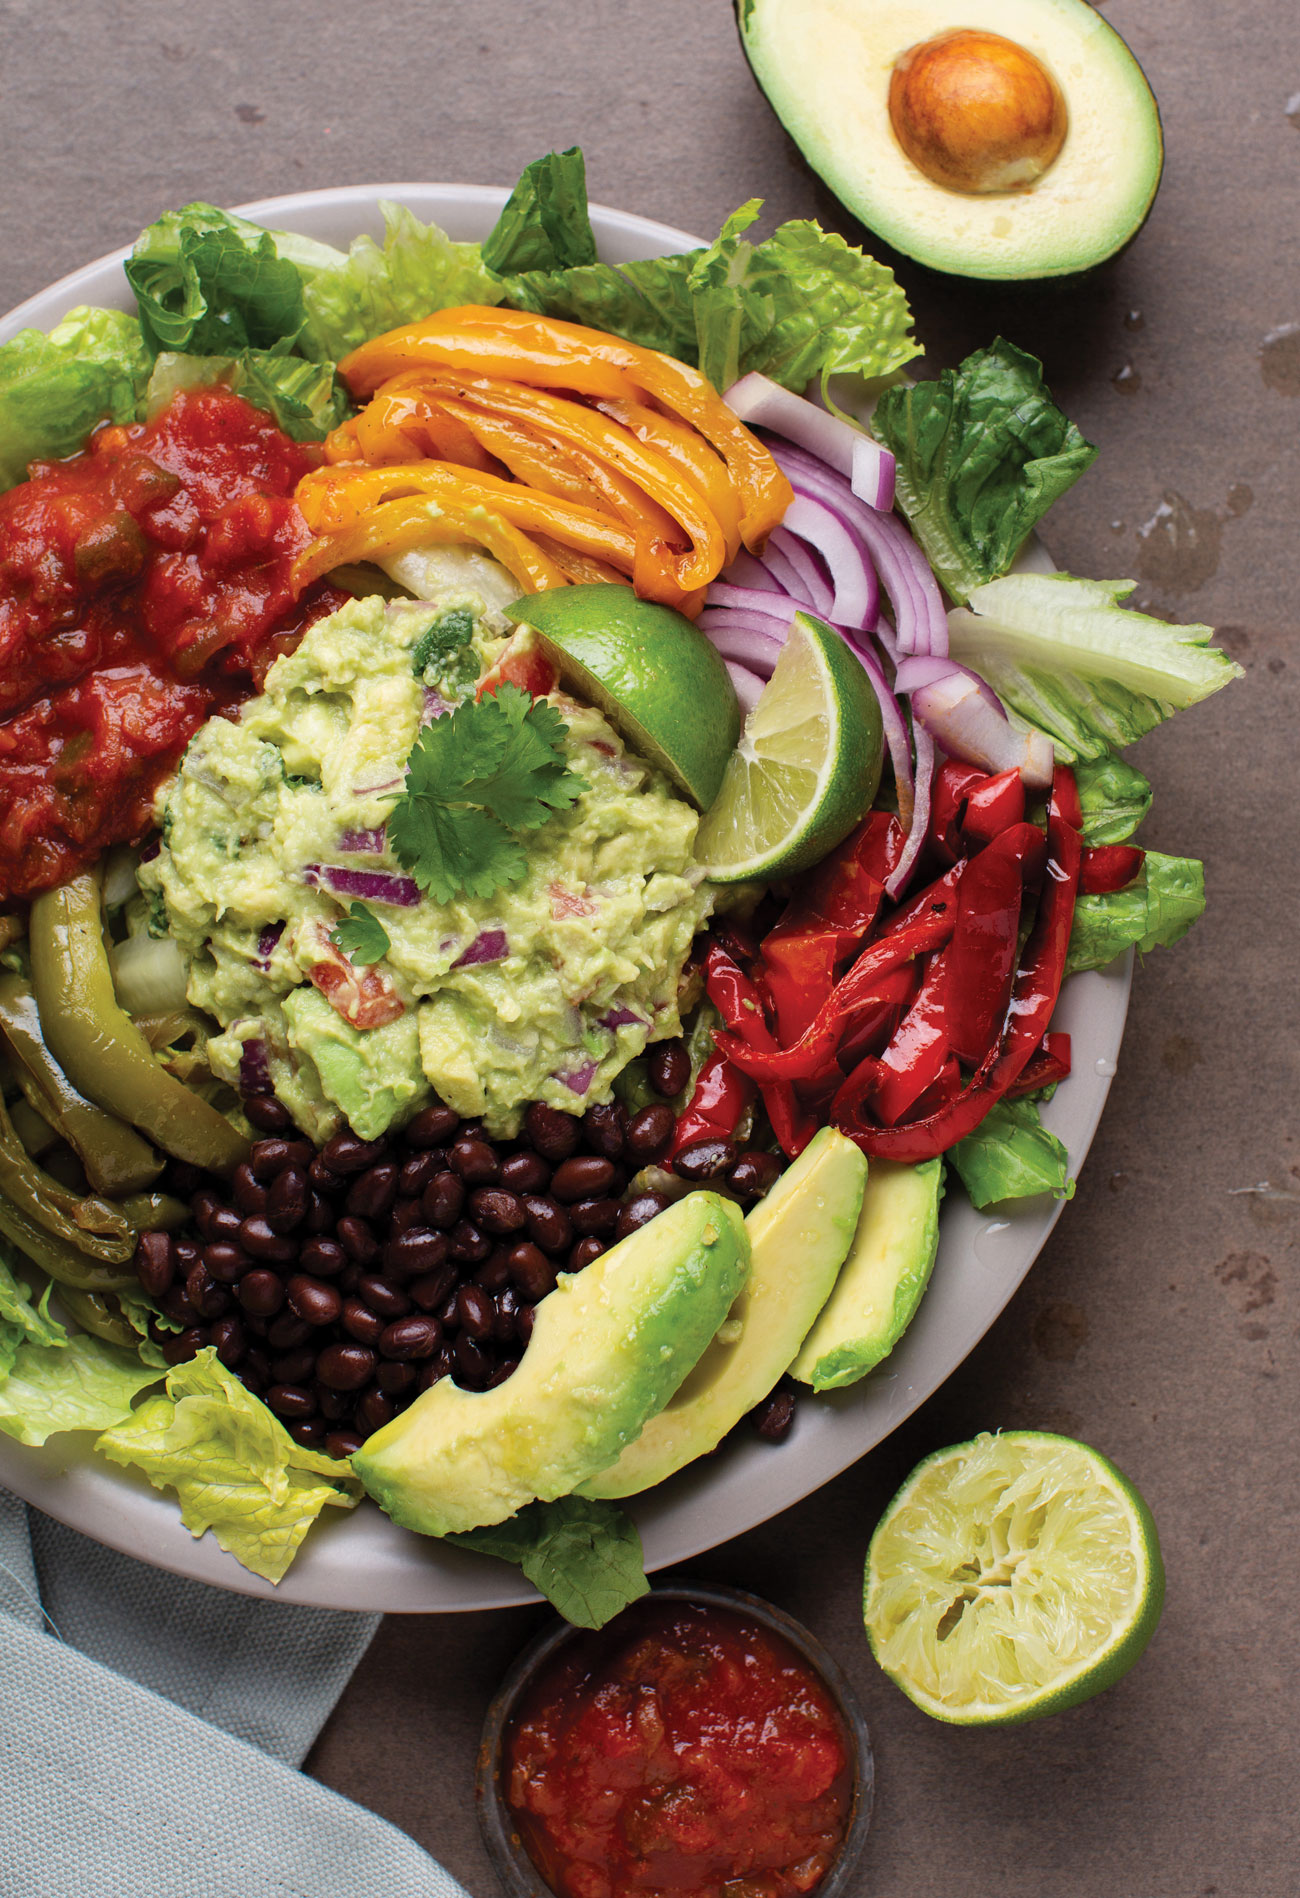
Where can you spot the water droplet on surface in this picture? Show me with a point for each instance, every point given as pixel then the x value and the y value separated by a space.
pixel 1117 527
pixel 1293 109
pixel 1106 1068
pixel 1126 380
pixel 1241 498
pixel 1279 359
pixel 988 1247
pixel 1178 548
pixel 1134 320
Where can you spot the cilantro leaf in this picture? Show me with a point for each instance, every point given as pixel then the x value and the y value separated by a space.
pixel 492 767
pixel 361 936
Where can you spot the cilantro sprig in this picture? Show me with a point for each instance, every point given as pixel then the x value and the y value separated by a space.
pixel 476 777
pixel 361 936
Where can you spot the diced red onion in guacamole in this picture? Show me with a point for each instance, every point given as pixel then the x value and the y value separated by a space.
pixel 254 1069
pixel 364 843
pixel 621 1017
pixel 490 946
pixel 266 942
pixel 370 886
pixel 580 1079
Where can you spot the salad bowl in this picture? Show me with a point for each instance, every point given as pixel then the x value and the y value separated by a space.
pixel 363 1561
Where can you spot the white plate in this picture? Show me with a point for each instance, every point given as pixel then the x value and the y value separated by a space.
pixel 361 1560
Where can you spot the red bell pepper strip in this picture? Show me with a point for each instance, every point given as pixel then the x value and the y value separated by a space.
pixel 1033 997
pixel 945 1088
pixel 722 1093
pixel 915 1057
pixel 993 806
pixel 952 786
pixel 826 919
pixel 1049 1063
pixel 981 958
pixel 737 1001
pixel 879 1017
pixel 1108 867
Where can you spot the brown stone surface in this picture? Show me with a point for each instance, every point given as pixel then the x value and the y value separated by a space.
pixel 1161 1321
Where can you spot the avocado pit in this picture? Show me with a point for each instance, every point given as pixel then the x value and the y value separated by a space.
pixel 975 112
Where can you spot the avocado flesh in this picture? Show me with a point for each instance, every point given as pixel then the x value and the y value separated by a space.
pixel 799 1237
pixel 825 66
pixel 609 1347
pixel 880 1287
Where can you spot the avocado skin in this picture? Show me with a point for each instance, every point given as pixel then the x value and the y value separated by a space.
pixel 1063 276
pixel 609 1347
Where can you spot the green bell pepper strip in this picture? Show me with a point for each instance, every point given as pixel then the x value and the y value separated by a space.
pixel 100 1314
pixel 99 1047
pixel 156 1212
pixel 57 1257
pixel 89 1223
pixel 116 1159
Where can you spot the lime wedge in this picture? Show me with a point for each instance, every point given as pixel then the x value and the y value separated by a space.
pixel 1012 1577
pixel 651 672
pixel 806 768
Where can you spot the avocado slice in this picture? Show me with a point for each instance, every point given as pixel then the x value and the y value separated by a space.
pixel 888 1268
pixel 799 1236
pixel 609 1347
pixel 878 96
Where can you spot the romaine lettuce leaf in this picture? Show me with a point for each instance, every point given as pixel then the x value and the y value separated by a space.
pixel 302 397
pixel 1011 1155
pixel 418 270
pixel 83 1384
pixel 1067 657
pixel 585 1557
pixel 234 1466
pixel 212 284
pixel 1158 907
pixel 544 224
pixel 54 389
pixel 982 453
pixel 20 1320
pixel 1115 798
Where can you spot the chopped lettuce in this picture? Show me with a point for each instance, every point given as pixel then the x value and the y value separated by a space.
pixel 212 284
pixel 585 1557
pixel 21 1321
pixel 302 397
pixel 544 224
pixel 1156 909
pixel 1067 657
pixel 982 454
pixel 801 304
pixel 1011 1155
pixel 1114 797
pixel 55 389
pixel 83 1384
pixel 233 1465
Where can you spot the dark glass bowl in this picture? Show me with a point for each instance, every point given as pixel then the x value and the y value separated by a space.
pixel 519 1876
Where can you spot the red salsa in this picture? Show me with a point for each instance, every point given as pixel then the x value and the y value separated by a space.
pixel 144 584
pixel 684 1749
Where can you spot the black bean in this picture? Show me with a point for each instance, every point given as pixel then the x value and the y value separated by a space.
pixel 249 1193
pixel 474 1365
pixel 381 1296
pixel 315 1302
pixel 507 1304
pixel 773 1417
pixel 584 1252
pixel 706 1159
pixel 309 1432
pixel 406 1213
pixel 448 1315
pixel 428 1292
pixel 433 1126
pixel 261 1292
pixel 323 1258
pixel 476 1312
pixel 257 1364
pixel 293 1401
pixel 416 1252
pixel 594 1215
pixel 360 1322
pixel 224 1224
pixel 261 1241
pixel 203 1206
pixel 444 1200
pixel 324 1179
pixel 266 1113
pixel 176 1306
pixel 287 1199
pixel 467 1244
pixel 358 1241
pixel 287 1331
pixel 524 1319
pixel 638 1212
pixel 343 1443
pixel 209 1299
pixel 336 1405
pixel 418 1170
pixel 373 1194
pixel 506 1368
pixel 230 1339
pixel 497 1211
pixel 347 1278
pixel 346 1152
pixel 269 1157
pixel 555 1135
pixel 548 1223
pixel 396 1378
pixel 669 1068
pixel 586 1176
pixel 320 1214
pixel 181 1346
pixel 525 1173
pixel 346 1367
pixel 187 1252
pixel 155 1262
pixel 294 1367
pixel 414 1337
pixel 531 1270
pixel 494 1273
pixel 374 1410
pixel 441 1364
pixel 474 1160
pixel 183 1179
pixel 753 1174
pixel 605 1129
pixel 649 1132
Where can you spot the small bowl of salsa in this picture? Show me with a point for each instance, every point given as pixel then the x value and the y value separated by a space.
pixel 701 1744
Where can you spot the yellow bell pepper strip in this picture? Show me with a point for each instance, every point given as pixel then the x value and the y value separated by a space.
pixel 96 1043
pixel 395 527
pixel 547 353
pixel 116 1159
pixel 404 420
pixel 581 569
pixel 58 1258
pixel 701 465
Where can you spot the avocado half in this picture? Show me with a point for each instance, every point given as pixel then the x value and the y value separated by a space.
pixel 826 66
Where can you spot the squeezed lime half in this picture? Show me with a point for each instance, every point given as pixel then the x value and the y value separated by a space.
pixel 1012 1577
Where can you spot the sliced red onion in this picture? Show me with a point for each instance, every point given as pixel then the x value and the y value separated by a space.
pixel 923 745
pixel 254 1068
pixel 771 604
pixel 815 588
pixel 435 706
pixel 897 737
pixel 872 477
pixel 364 843
pixel 765 404
pixel 853 578
pixel 378 790
pixel 966 717
pixel 580 1079
pixel 489 946
pixel 266 942
pixel 151 850
pixel 739 636
pixel 749 686
pixel 782 571
pixel 746 570
pixel 370 886
pixel 621 1017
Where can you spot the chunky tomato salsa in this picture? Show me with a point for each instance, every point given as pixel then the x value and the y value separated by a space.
pixel 144 584
pixel 685 1749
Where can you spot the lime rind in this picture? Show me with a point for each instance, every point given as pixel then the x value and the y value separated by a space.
pixel 1012 1577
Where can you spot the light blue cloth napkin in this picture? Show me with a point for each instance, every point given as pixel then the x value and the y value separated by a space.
pixel 150 1732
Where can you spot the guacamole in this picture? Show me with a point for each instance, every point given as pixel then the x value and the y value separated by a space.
pixel 276 823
